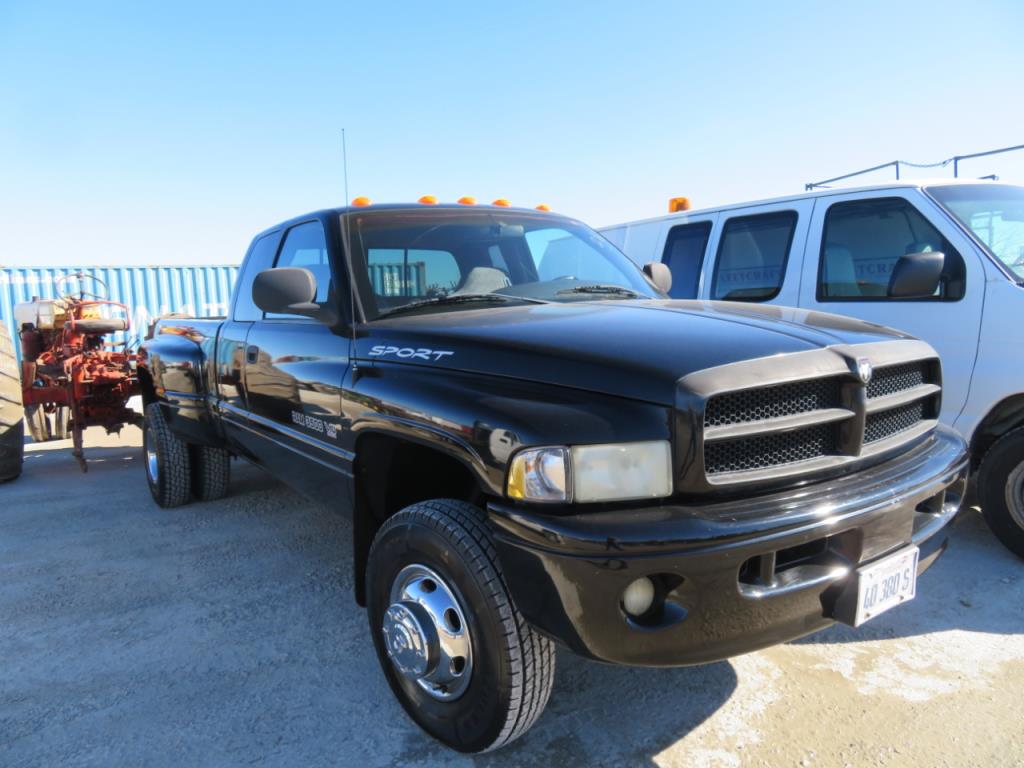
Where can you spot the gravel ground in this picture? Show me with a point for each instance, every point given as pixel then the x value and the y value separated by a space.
pixel 225 634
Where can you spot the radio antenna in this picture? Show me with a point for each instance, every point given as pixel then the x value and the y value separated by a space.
pixel 347 246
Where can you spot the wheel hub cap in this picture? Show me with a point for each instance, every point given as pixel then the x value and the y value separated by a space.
pixel 152 465
pixel 426 635
pixel 1015 494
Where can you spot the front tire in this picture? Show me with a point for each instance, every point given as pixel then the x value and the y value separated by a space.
pixel 1001 489
pixel 439 610
pixel 168 468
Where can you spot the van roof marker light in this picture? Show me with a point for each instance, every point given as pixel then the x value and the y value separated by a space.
pixel 544 207
pixel 427 200
pixel 677 204
pixel 466 200
pixel 501 202
pixel 361 202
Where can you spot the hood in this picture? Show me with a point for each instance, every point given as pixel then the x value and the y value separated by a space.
pixel 634 349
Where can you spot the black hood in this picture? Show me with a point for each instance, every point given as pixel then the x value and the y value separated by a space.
pixel 634 349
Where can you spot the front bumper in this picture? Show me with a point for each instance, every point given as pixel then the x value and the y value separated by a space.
pixel 739 575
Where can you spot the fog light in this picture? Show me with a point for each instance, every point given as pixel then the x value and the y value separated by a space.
pixel 638 597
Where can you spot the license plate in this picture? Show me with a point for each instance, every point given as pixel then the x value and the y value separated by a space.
pixel 886 584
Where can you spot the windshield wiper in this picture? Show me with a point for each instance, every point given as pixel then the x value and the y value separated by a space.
pixel 609 290
pixel 463 298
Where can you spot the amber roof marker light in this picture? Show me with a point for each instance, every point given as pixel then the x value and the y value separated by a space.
pixel 501 202
pixel 427 200
pixel 466 200
pixel 544 207
pixel 678 204
pixel 361 202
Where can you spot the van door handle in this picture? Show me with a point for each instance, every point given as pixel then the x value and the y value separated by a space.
pixel 252 354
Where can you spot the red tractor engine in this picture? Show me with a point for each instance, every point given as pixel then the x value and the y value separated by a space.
pixel 71 376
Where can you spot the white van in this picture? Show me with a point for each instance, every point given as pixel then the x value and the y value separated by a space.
pixel 837 250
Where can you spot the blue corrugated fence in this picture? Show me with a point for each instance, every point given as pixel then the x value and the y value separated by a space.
pixel 148 292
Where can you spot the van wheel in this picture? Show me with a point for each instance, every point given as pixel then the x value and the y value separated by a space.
pixel 456 652
pixel 168 469
pixel 1001 488
pixel 211 472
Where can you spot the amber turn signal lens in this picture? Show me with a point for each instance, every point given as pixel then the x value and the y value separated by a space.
pixel 466 200
pixel 502 202
pixel 361 202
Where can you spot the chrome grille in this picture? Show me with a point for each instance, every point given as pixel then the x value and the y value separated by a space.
pixel 772 402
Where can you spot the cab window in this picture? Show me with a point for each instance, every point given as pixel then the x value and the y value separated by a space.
pixel 684 256
pixel 260 257
pixel 305 246
pixel 863 239
pixel 752 254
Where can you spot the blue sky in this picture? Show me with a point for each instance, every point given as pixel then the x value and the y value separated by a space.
pixel 172 132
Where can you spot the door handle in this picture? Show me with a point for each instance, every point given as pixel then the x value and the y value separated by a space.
pixel 252 354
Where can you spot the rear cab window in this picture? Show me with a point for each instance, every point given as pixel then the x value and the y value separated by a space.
pixel 752 255
pixel 863 239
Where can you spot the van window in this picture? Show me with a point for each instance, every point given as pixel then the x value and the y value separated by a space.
pixel 305 246
pixel 862 241
pixel 752 255
pixel 684 256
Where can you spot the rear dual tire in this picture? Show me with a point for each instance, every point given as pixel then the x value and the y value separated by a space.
pixel 175 470
pixel 510 665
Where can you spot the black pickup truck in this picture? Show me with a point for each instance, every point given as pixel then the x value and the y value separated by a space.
pixel 536 445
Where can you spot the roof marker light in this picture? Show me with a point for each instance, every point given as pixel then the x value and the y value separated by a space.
pixel 543 207
pixel 361 202
pixel 677 204
pixel 466 200
pixel 501 202
pixel 428 200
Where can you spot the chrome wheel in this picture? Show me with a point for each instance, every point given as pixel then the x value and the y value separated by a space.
pixel 426 635
pixel 1015 494
pixel 152 464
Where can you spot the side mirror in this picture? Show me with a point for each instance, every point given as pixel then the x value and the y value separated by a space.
pixel 916 275
pixel 286 291
pixel 659 274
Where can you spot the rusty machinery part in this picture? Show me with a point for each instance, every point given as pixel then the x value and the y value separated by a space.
pixel 12 425
pixel 72 377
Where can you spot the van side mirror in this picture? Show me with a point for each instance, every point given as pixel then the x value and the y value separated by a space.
pixel 916 275
pixel 659 274
pixel 287 291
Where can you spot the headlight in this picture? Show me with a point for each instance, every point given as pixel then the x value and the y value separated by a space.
pixel 588 473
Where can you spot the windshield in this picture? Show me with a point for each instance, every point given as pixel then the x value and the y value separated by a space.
pixel 446 260
pixel 994 213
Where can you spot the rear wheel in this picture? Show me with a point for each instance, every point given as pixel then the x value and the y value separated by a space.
pixel 168 469
pixel 12 424
pixel 211 472
pixel 1001 489
pixel 458 655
